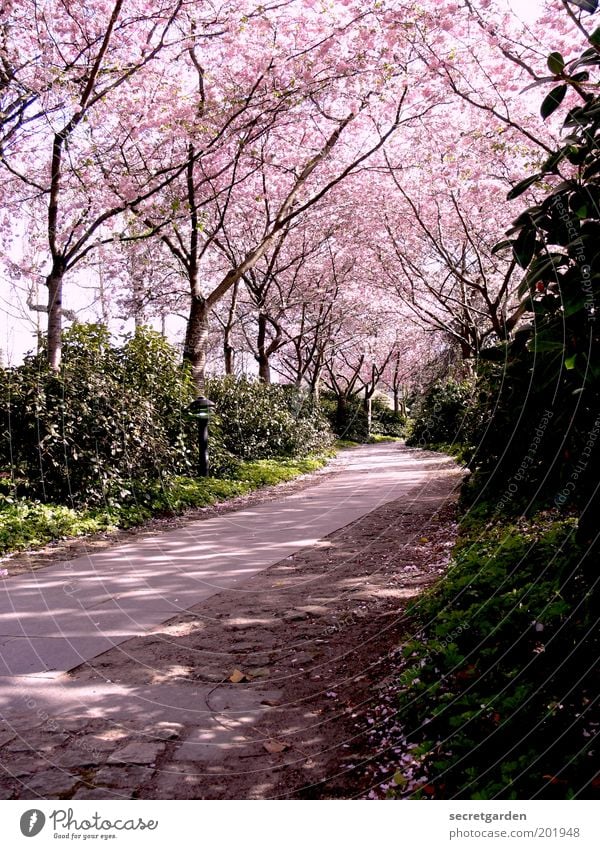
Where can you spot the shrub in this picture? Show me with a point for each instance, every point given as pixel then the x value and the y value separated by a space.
pixel 440 415
pixel 348 419
pixel 256 421
pixel 386 422
pixel 111 416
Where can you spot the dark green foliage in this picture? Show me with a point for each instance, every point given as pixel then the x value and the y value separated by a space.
pixel 498 687
pixel 111 416
pixel 349 419
pixel 111 427
pixel 257 421
pixel 26 524
pixel 385 422
pixel 441 414
pixel 549 386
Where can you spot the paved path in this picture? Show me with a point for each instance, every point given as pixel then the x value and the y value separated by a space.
pixel 55 618
pixel 157 717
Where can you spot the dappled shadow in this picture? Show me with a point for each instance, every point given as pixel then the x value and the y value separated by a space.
pixel 300 634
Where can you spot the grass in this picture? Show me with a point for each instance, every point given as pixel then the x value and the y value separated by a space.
pixel 496 693
pixel 26 524
pixel 340 444
pixel 461 452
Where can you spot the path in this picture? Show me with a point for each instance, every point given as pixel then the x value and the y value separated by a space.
pixel 163 703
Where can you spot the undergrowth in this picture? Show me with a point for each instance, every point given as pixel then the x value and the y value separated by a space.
pixel 497 696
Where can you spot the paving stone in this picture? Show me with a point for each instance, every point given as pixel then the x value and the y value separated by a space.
pixel 36 742
pixel 303 657
pixel 95 743
pixel 124 777
pixel 166 731
pixel 74 723
pixel 260 672
pixel 210 676
pixel 79 757
pixel 52 783
pixel 23 723
pixel 100 793
pixel 209 745
pixel 6 737
pixel 20 766
pixel 180 781
pixel 295 616
pixel 137 752
pixel 259 659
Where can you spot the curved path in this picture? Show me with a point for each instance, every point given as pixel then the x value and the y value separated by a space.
pixel 150 710
pixel 55 618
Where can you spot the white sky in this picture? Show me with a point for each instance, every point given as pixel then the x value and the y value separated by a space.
pixel 527 10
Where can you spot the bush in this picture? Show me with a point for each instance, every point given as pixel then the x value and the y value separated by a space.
pixel 441 414
pixel 111 416
pixel 112 424
pixel 254 421
pixel 347 420
pixel 497 688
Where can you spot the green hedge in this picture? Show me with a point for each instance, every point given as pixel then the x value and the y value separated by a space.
pixel 441 415
pixel 112 423
pixel 255 421
pixel 111 416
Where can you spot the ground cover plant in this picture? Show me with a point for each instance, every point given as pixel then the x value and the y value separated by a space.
pixel 498 695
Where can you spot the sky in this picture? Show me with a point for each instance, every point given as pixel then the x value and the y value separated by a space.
pixel 527 10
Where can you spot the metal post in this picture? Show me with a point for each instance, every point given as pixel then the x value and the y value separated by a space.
pixel 203 447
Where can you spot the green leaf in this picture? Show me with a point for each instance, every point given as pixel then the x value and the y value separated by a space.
pixel 553 161
pixel 505 243
pixel 546 345
pixel 543 267
pixel 524 247
pixel 556 63
pixel 570 362
pixel 523 186
pixel 553 101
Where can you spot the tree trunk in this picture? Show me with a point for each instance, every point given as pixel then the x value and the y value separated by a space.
pixel 264 369
pixel 396 400
pixel 138 303
pixel 315 387
pixel 341 415
pixel 196 341
pixel 368 408
pixel 228 354
pixel 54 282
pixel 228 351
